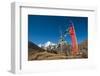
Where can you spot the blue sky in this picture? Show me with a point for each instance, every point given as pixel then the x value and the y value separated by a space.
pixel 43 28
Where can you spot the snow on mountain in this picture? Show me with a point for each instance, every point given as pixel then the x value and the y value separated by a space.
pixel 40 45
pixel 48 43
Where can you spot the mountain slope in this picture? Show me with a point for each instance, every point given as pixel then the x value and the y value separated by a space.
pixel 83 47
pixel 34 47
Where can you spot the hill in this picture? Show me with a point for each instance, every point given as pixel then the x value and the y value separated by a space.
pixel 34 47
pixel 83 48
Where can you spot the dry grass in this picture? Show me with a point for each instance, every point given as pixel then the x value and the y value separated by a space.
pixel 49 56
pixel 37 53
pixel 45 56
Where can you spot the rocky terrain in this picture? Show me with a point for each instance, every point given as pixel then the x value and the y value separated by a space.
pixel 38 53
pixel 83 48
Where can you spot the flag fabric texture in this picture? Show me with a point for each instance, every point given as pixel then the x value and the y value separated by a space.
pixel 73 39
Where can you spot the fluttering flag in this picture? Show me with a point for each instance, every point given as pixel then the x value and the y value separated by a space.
pixel 73 39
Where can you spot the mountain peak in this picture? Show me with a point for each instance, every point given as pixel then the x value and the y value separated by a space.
pixel 48 43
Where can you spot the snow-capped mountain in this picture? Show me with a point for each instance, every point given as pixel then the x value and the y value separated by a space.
pixel 40 45
pixel 48 43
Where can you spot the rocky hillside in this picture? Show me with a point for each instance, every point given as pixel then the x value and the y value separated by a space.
pixel 83 45
pixel 83 48
pixel 34 47
pixel 38 53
